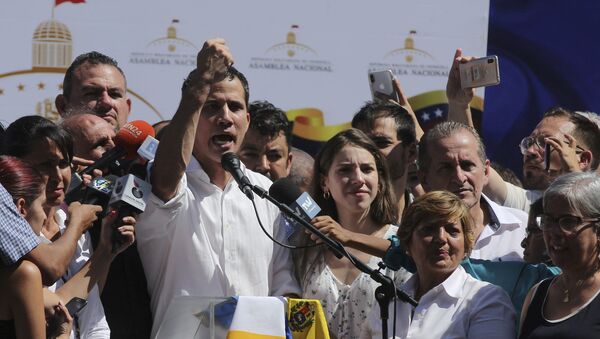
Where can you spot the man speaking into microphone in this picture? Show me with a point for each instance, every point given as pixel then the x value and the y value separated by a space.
pixel 199 234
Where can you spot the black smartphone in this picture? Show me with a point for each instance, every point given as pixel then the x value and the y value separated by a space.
pixel 75 305
pixel 547 151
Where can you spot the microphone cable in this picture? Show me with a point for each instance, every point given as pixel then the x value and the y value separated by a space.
pixel 292 247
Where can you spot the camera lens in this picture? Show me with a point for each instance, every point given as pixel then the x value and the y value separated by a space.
pixel 490 61
pixel 372 77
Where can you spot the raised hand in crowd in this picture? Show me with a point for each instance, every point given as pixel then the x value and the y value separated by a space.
pixel 174 154
pixel 59 322
pixel 459 98
pixel 569 152
pixel 403 101
pixel 96 269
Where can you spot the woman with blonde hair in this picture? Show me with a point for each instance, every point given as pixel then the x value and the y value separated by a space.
pixel 436 232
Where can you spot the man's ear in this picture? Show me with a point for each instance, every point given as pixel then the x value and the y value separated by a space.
pixel 21 207
pixel 61 105
pixel 423 179
pixel 412 153
pixel 289 162
pixel 128 105
pixel 585 160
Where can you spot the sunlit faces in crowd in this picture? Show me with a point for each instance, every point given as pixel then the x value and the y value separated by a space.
pixel 223 122
pixel 352 179
pixel 266 146
pixel 391 128
pixel 101 88
pixel 267 155
pixel 535 175
pixel 571 238
pixel 93 135
pixel 534 248
pixel 54 167
pixel 436 231
pixel 454 162
pixel 384 135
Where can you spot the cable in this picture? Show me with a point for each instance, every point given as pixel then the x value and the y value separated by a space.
pixel 273 239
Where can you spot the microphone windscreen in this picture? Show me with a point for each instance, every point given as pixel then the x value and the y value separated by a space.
pixel 285 191
pixel 229 161
pixel 132 135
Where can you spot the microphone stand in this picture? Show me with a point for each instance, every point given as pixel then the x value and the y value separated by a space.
pixel 383 294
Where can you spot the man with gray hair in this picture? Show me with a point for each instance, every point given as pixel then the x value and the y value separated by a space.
pixel 452 158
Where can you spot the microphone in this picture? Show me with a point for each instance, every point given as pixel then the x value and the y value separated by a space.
pixel 231 163
pixel 127 142
pixel 287 192
pixel 129 196
pixel 99 190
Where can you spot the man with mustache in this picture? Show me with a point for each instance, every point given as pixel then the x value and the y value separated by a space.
pixel 95 81
pixel 452 157
pixel 199 234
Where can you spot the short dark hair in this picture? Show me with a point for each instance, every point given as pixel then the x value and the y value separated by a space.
pixel 371 111
pixel 383 210
pixel 586 132
pixel 23 133
pixel 269 120
pixel 92 58
pixel 233 72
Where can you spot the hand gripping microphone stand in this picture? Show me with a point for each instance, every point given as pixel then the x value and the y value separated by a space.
pixel 384 293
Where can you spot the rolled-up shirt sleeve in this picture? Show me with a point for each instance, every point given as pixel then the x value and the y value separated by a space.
pixel 16 236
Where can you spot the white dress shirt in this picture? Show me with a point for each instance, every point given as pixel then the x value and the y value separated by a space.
pixel 90 321
pixel 207 242
pixel 459 307
pixel 501 238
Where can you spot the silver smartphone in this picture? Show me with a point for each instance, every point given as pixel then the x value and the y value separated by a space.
pixel 480 72
pixel 382 87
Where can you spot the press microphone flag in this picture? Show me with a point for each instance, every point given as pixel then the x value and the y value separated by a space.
pixel 127 142
pixel 287 192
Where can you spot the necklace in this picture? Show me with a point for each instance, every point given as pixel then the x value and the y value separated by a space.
pixel 578 285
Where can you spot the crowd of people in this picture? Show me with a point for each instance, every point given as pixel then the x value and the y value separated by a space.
pixel 483 256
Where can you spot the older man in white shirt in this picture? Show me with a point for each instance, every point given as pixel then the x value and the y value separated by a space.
pixel 452 157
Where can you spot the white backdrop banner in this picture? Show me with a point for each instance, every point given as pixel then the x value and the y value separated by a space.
pixel 309 57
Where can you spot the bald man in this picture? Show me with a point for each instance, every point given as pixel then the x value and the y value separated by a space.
pixel 92 135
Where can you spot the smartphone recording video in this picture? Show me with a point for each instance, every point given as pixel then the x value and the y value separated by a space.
pixel 382 87
pixel 480 72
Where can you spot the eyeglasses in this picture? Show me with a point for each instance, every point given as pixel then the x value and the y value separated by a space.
pixel 539 142
pixel 569 224
pixel 534 228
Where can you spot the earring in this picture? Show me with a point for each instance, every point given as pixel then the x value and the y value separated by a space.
pixel 326 194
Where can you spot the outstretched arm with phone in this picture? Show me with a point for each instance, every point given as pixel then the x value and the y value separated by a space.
pixel 459 110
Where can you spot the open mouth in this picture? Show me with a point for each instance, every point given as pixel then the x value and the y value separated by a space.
pixel 222 139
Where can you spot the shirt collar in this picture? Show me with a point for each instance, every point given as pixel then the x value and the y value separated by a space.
pixel 452 286
pixel 498 214
pixel 194 167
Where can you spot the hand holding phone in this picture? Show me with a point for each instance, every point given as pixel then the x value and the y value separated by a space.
pixel 479 72
pixel 75 305
pixel 382 87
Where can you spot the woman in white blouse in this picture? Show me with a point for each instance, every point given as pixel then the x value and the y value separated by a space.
pixel 352 186
pixel 436 231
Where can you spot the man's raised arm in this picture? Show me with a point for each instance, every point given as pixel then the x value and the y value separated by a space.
pixel 175 149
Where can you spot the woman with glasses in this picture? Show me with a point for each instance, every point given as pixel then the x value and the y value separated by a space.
pixel 568 306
